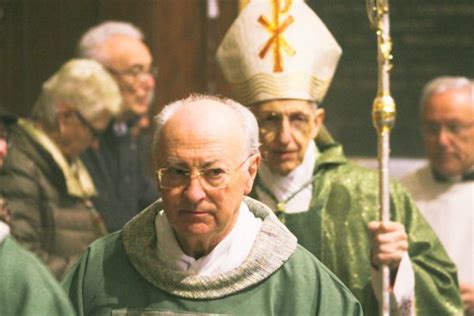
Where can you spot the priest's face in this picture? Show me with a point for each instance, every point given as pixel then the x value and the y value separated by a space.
pixel 286 128
pixel 203 173
pixel 448 131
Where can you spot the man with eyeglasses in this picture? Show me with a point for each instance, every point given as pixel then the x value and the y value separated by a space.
pixel 280 59
pixel 119 164
pixel 204 248
pixel 48 188
pixel 444 188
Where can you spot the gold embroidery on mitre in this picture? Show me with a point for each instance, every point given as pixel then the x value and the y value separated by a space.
pixel 276 30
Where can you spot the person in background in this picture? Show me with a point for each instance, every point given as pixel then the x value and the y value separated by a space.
pixel 26 285
pixel 117 166
pixel 444 188
pixel 204 247
pixel 6 120
pixel 47 187
pixel 280 60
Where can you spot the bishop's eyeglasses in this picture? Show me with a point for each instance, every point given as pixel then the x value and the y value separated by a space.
pixel 210 178
pixel 271 122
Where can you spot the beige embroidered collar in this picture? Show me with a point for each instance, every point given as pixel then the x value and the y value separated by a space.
pixel 273 246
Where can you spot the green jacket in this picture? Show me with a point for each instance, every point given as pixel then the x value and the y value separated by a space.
pixel 335 230
pixel 26 286
pixel 47 218
pixel 121 273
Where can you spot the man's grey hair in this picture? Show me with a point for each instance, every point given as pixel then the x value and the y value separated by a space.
pixel 442 84
pixel 247 120
pixel 81 84
pixel 90 42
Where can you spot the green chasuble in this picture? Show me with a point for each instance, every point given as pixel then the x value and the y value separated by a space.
pixel 121 273
pixel 26 286
pixel 335 230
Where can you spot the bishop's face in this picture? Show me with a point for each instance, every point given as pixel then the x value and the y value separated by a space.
pixel 286 128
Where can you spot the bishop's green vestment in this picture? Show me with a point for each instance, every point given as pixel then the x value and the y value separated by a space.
pixel 120 273
pixel 335 230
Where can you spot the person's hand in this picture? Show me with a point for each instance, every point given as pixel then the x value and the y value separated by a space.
pixel 389 242
pixel 467 295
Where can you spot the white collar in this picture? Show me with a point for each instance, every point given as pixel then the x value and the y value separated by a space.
pixel 282 186
pixel 450 180
pixel 227 255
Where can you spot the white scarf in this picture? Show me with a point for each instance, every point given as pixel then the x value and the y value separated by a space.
pixel 282 186
pixel 227 255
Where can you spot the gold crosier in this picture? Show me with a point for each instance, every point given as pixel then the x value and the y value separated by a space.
pixel 277 41
pixel 383 118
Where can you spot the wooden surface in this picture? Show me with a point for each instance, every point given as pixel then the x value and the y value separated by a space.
pixel 431 38
pixel 38 36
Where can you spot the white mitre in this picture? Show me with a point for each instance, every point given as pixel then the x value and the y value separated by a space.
pixel 278 50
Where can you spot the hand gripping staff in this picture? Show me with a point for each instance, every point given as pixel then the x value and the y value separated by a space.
pixel 383 118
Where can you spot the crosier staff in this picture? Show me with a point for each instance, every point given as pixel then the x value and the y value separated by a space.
pixel 383 118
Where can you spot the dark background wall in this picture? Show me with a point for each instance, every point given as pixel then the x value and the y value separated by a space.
pixel 38 36
pixel 431 38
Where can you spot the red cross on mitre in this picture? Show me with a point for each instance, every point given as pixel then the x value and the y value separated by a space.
pixel 276 40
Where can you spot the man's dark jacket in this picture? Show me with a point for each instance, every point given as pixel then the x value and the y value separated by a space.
pixel 118 169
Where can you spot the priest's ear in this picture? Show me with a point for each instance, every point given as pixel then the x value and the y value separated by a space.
pixel 318 121
pixel 251 171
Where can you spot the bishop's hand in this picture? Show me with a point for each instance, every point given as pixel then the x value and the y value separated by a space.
pixel 389 243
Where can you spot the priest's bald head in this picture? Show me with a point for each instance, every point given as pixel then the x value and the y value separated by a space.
pixel 206 154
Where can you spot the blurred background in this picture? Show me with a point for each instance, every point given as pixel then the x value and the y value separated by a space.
pixel 430 38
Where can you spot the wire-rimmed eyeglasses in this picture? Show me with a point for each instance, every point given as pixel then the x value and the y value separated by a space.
pixel 211 178
pixel 453 128
pixel 95 132
pixel 270 122
pixel 136 72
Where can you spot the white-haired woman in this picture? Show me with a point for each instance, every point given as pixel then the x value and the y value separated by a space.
pixel 47 186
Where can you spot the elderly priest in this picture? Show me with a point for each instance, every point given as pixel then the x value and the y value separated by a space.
pixel 205 248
